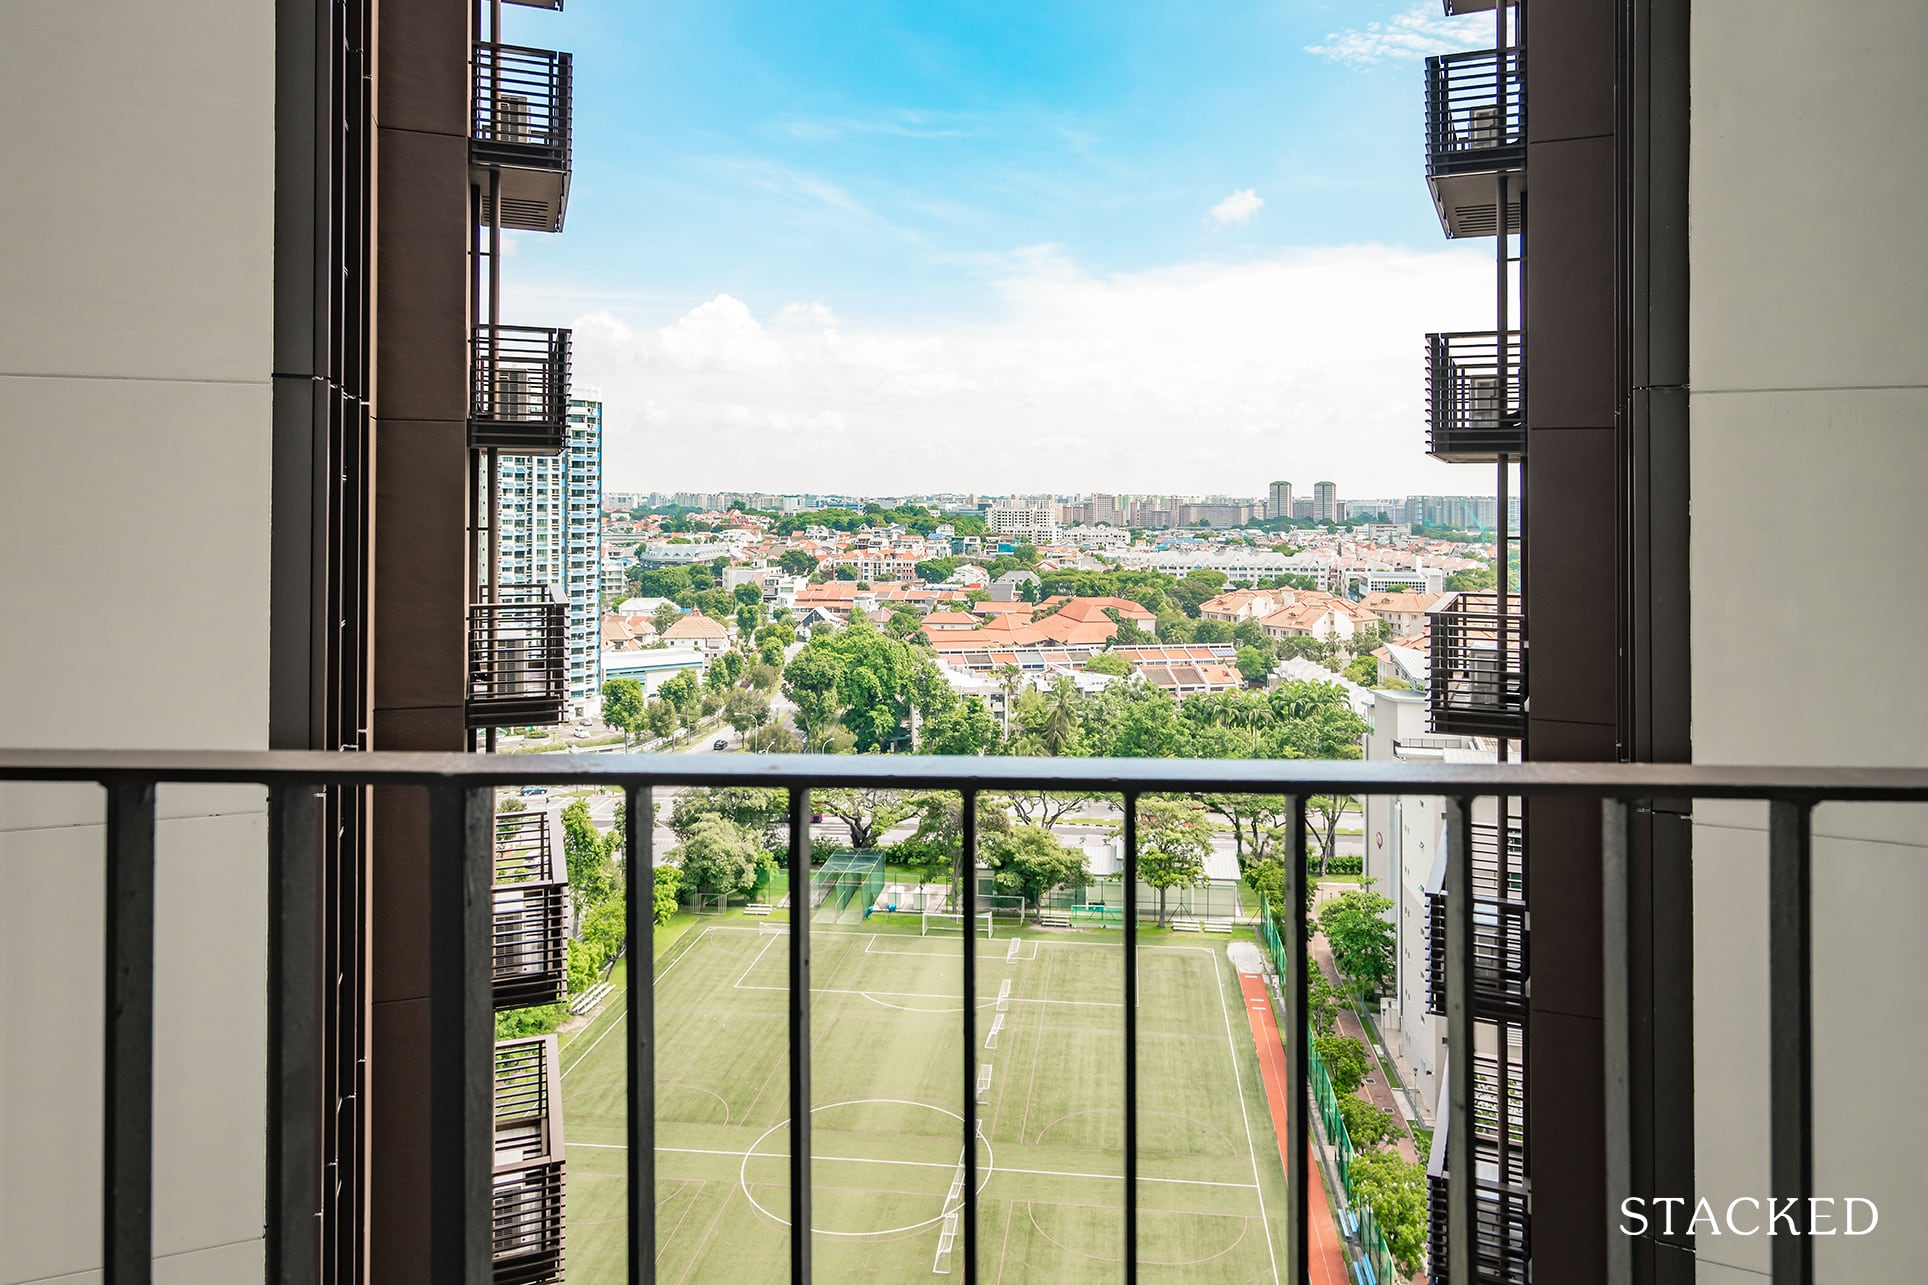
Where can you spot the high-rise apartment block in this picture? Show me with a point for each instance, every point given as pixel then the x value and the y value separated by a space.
pixel 1325 503
pixel 1278 500
pixel 552 535
pixel 1026 520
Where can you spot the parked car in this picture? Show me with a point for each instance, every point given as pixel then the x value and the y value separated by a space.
pixel 720 743
pixel 534 789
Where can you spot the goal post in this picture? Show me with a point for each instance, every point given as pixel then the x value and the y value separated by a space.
pixel 951 923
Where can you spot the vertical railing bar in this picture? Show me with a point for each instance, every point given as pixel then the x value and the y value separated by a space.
pixel 127 1055
pixel 968 859
pixel 639 947
pixel 1462 1172
pixel 800 1034
pixel 295 894
pixel 1616 890
pixel 1790 1027
pixel 1298 1034
pixel 1131 1035
pixel 461 1034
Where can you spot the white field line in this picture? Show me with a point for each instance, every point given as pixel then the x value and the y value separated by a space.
pixel 622 1013
pixel 983 1003
pixel 751 967
pixel 1238 1080
pixel 920 1164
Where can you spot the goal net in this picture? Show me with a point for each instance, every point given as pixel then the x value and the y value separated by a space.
pixel 951 923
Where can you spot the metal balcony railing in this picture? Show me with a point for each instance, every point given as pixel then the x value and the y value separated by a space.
pixel 517 646
pixel 519 389
pixel 526 1214
pixel 495 1141
pixel 1454 8
pixel 1477 683
pixel 530 903
pixel 1475 135
pixel 1473 413
pixel 519 135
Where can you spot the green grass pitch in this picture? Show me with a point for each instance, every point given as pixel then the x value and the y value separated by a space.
pixel 887 1092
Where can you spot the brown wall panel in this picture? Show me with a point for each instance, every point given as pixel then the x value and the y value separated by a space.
pixel 1569 85
pixel 1570 364
pixel 1571 538
pixel 398 1209
pixel 421 599
pixel 422 302
pixel 1565 1124
pixel 424 66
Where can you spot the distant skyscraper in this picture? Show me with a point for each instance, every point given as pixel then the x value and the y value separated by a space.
pixel 552 535
pixel 1325 502
pixel 1278 500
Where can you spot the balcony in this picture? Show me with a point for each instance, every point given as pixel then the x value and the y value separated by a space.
pixel 1473 413
pixel 519 389
pixel 1499 929
pixel 1454 8
pixel 529 898
pixel 1475 135
pixel 1478 681
pixel 519 135
pixel 527 1188
pixel 517 646
pixel 494 1198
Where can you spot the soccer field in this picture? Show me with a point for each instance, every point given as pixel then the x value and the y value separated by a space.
pixel 887 1093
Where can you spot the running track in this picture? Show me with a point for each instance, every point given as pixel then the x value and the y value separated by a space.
pixel 1328 1257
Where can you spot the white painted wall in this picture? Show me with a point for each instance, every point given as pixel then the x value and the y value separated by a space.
pixel 134 408
pixel 1809 334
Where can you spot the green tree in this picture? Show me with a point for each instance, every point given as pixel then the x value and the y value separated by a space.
pixel 745 709
pixel 865 813
pixel 1363 670
pixel 813 681
pixel 796 562
pixel 667 883
pixel 1323 812
pixel 965 728
pixel 662 718
pixel 774 739
pixel 936 570
pixel 1366 1124
pixel 665 615
pixel 586 856
pixel 904 622
pixel 720 856
pixel 748 595
pixel 1029 862
pixel 1106 662
pixel 1396 1191
pixel 1361 937
pixel 763 812
pixel 846 573
pixel 1254 665
pixel 624 707
pixel 1172 846
pixel 1345 1061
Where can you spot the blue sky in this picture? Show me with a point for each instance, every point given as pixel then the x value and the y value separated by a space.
pixel 881 245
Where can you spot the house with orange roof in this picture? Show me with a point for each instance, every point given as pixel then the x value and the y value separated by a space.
pixel 700 632
pixel 1402 613
pixel 1313 614
pixel 949 621
pixel 1241 604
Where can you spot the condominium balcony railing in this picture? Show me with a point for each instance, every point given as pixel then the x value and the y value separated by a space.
pixel 1477 683
pixel 519 389
pixel 530 901
pixel 556 5
pixel 525 1224
pixel 519 135
pixel 1454 8
pixel 1475 136
pixel 1473 412
pixel 517 645
pixel 493 1177
pixel 1499 928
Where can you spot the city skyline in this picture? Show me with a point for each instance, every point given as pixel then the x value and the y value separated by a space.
pixel 909 243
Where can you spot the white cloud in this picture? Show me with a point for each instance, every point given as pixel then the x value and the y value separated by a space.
pixel 1193 378
pixel 1239 207
pixel 1419 31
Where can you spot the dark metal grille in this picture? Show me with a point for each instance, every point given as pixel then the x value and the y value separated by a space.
pixel 529 897
pixel 1473 411
pixel 519 389
pixel 1477 683
pixel 527 1184
pixel 519 658
pixel 494 1176
pixel 521 107
pixel 1499 928
pixel 1475 113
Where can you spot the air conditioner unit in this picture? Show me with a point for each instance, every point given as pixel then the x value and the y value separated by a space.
pixel 1484 128
pixel 512 118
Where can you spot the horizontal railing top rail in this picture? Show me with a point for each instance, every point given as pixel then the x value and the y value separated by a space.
pixel 1143 776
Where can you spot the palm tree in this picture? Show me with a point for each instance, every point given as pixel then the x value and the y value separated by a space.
pixel 1061 720
pixel 1009 679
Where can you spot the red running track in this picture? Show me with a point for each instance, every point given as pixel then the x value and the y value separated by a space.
pixel 1326 1252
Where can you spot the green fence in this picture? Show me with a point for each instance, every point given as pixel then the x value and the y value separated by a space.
pixel 1371 1240
pixel 1214 899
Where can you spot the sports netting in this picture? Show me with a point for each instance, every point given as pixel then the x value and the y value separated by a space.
pixel 846 887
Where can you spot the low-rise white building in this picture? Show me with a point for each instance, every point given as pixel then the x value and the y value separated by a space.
pixel 651 666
